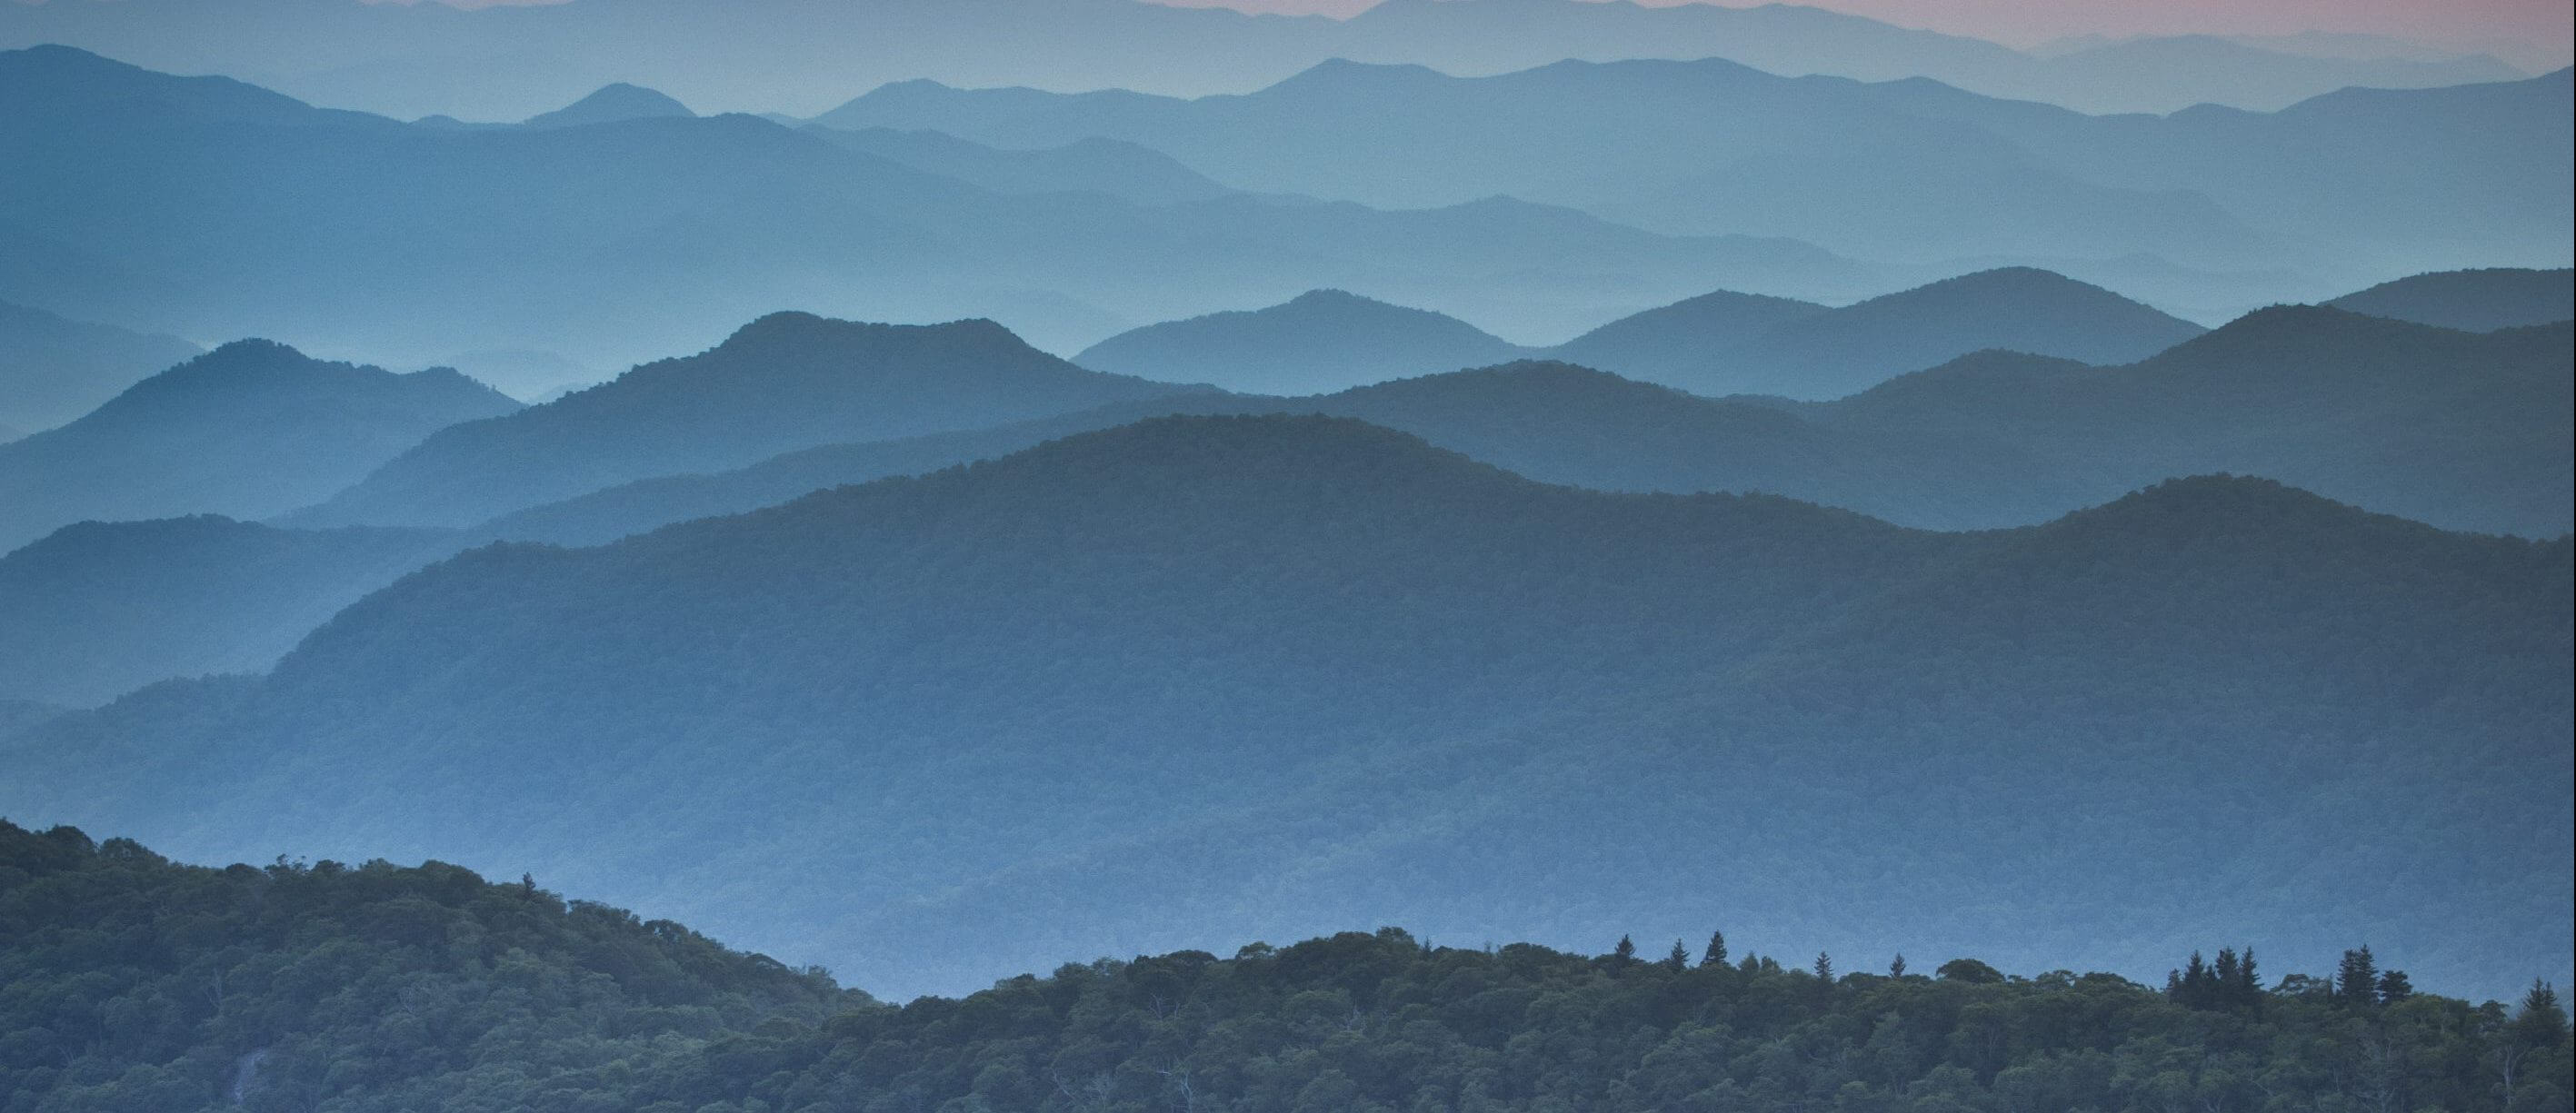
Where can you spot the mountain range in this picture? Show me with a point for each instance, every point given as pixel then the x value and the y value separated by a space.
pixel 1715 344
pixel 613 242
pixel 1892 170
pixel 1232 676
pixel 2462 430
pixel 783 382
pixel 504 62
pixel 2465 430
pixel 248 430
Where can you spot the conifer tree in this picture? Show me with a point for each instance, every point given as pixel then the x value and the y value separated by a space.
pixel 2357 979
pixel 1716 953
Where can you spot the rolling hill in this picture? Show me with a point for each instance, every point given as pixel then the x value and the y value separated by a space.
pixel 251 429
pixel 783 382
pixel 1323 341
pixel 2466 431
pixel 613 103
pixel 1236 676
pixel 1731 345
pixel 2472 301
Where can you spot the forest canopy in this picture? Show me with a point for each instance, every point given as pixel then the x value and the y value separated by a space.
pixel 137 985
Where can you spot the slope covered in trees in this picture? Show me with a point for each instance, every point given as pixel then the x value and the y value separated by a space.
pixel 248 430
pixel 142 986
pixel 139 986
pixel 1246 677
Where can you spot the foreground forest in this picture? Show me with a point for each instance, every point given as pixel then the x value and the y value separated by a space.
pixel 136 985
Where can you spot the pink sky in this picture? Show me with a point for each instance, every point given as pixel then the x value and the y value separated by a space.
pixel 2029 22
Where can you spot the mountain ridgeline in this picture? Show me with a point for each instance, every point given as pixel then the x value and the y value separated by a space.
pixel 2473 301
pixel 148 987
pixel 1247 676
pixel 1324 341
pixel 248 430
pixel 2316 397
pixel 96 610
pixel 53 370
pixel 784 382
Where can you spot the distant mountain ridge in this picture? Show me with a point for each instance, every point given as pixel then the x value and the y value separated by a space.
pixel 96 610
pixel 612 104
pixel 783 382
pixel 416 242
pixel 1901 169
pixel 1322 341
pixel 251 429
pixel 2473 301
pixel 782 56
pixel 1237 673
pixel 53 370
pixel 1731 345
pixel 1985 440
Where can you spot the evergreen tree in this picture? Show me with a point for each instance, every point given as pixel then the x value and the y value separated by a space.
pixel 1824 968
pixel 1624 955
pixel 2393 987
pixel 1679 959
pixel 2357 979
pixel 1716 953
pixel 2541 1022
pixel 1896 969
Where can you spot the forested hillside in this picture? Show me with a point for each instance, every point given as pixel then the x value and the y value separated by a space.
pixel 140 986
pixel 1236 673
pixel 134 985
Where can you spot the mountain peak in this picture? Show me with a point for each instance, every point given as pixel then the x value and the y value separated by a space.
pixel 612 103
pixel 1320 341
pixel 794 328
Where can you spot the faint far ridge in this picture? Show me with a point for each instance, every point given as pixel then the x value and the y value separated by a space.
pixel 611 104
pixel 2471 300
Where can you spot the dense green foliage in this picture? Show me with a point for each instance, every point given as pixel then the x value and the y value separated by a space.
pixel 131 985
pixel 248 430
pixel 138 986
pixel 1255 677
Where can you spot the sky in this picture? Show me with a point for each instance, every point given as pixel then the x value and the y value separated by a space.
pixel 2475 23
